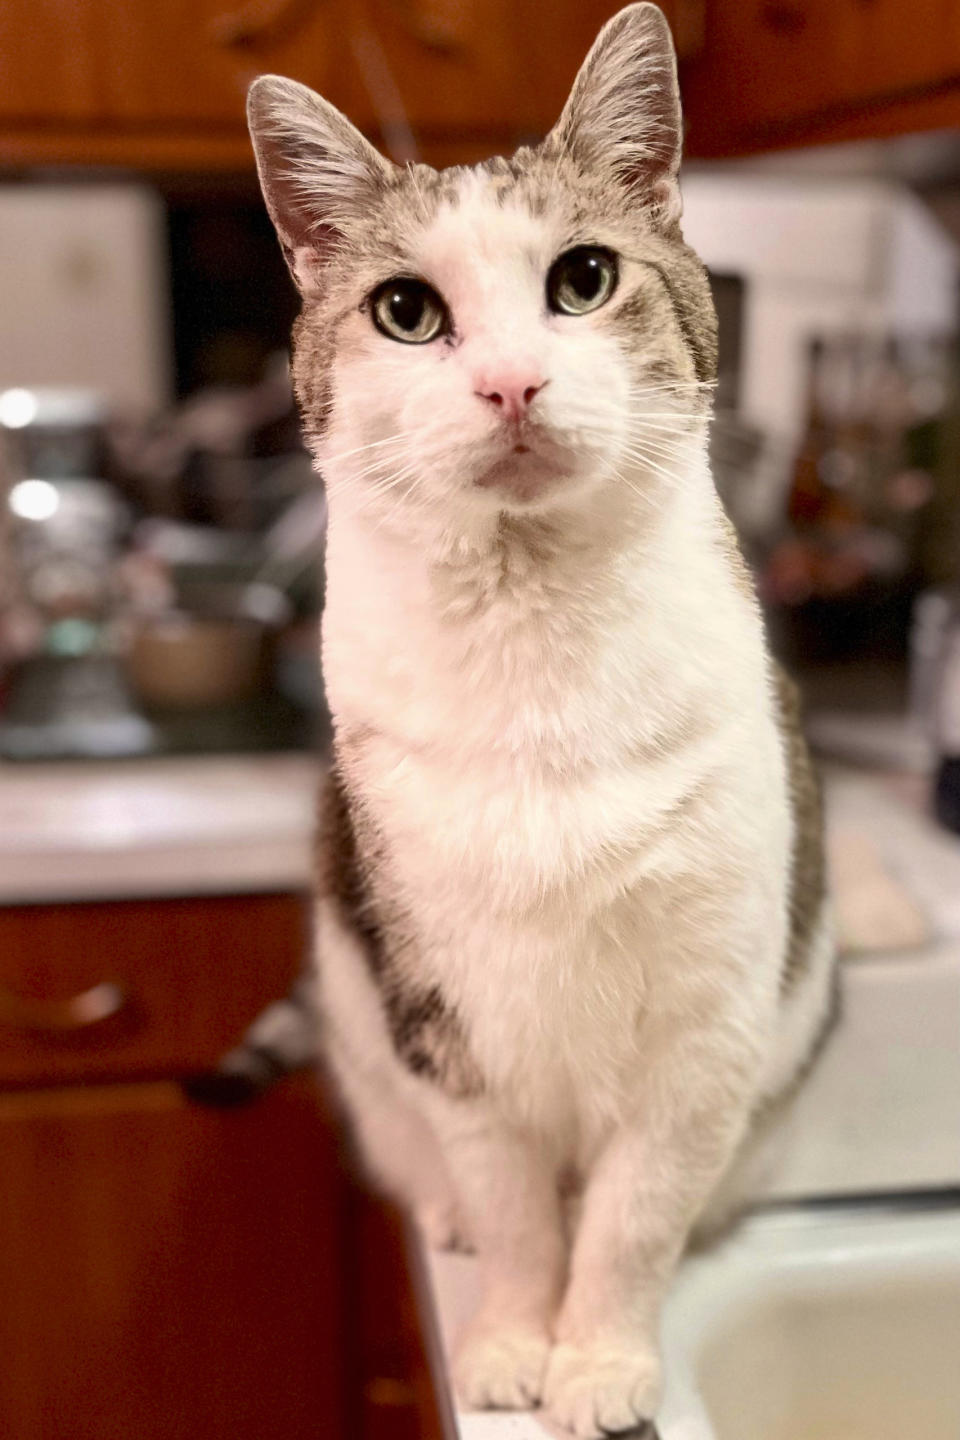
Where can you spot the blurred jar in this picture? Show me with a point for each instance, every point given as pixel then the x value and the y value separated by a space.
pixel 935 693
pixel 931 616
pixel 66 540
pixel 62 521
pixel 55 434
pixel 946 791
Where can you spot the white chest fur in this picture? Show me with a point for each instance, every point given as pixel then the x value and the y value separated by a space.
pixel 580 786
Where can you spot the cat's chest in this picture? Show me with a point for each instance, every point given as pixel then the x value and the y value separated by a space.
pixel 523 840
pixel 499 839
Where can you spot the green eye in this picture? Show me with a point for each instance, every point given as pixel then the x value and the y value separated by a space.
pixel 583 279
pixel 408 310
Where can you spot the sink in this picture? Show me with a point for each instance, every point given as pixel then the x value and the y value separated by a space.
pixel 811 1322
pixel 814 1324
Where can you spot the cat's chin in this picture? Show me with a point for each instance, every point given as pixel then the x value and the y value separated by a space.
pixel 525 479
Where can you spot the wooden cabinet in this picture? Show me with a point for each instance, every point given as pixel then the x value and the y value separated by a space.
pixel 170 1271
pixel 139 989
pixel 48 63
pixel 163 86
pixel 438 64
pixel 787 71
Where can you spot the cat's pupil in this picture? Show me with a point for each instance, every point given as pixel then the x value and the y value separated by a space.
pixel 406 308
pixel 586 276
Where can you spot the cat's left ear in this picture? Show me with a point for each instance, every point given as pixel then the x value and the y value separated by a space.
pixel 320 177
pixel 623 115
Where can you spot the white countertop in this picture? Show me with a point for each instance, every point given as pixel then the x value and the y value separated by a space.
pixel 880 1111
pixel 98 830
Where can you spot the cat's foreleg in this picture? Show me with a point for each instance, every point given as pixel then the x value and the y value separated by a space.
pixel 508 1189
pixel 645 1192
pixel 397 1146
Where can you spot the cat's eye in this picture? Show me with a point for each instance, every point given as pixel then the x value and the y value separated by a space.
pixel 582 279
pixel 408 310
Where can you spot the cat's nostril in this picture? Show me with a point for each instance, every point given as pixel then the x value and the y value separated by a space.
pixel 512 401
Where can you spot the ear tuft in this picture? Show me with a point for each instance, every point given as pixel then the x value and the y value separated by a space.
pixel 317 172
pixel 623 114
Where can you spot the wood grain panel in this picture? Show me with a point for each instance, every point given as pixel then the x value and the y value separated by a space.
pixel 162 87
pixel 196 972
pixel 49 57
pixel 172 1273
pixel 806 71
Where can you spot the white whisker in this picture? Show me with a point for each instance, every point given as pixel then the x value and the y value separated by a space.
pixel 359 449
pixel 649 463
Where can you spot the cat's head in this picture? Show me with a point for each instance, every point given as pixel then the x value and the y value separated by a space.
pixel 505 337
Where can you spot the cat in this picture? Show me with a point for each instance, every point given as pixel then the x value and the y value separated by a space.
pixel 571 922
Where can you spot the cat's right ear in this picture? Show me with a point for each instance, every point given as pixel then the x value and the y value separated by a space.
pixel 623 114
pixel 317 172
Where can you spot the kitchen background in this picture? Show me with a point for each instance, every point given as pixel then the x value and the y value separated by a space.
pixel 162 531
pixel 162 716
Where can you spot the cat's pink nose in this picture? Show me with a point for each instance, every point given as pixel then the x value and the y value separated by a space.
pixel 511 395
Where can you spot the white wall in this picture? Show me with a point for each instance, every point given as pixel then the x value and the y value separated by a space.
pixel 817 256
pixel 84 293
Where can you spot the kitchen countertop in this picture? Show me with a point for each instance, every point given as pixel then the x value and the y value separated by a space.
pixel 178 826
pixel 881 1111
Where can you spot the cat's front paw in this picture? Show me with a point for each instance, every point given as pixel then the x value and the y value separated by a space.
pixel 602 1389
pixel 501 1368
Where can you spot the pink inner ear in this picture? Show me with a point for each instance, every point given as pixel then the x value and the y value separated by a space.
pixel 307 262
pixel 666 199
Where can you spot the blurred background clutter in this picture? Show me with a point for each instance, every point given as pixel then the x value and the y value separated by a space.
pixel 162 716
pixel 162 528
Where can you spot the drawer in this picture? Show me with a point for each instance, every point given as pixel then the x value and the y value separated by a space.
pixel 139 989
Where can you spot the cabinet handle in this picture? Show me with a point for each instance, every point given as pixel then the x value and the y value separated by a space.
pixel 62 1017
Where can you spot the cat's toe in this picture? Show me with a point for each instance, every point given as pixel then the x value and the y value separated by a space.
pixel 501 1369
pixel 603 1389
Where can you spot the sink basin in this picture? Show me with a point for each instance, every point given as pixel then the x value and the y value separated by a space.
pixel 809 1323
pixel 819 1325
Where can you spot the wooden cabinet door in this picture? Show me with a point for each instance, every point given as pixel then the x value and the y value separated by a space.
pixel 139 988
pixel 437 64
pixel 887 48
pixel 48 61
pixel 174 1273
pixel 179 63
pixel 771 70
pixel 165 84
pixel 168 1272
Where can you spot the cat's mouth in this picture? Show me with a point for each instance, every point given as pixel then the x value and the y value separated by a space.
pixel 524 474
pixel 530 468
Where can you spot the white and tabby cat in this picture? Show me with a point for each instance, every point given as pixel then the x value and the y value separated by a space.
pixel 571 922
